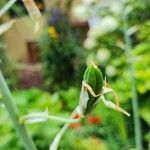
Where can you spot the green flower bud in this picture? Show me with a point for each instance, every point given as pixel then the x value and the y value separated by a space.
pixel 93 77
pixel 93 89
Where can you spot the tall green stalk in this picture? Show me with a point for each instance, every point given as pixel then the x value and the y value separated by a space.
pixel 6 7
pixel 14 114
pixel 137 125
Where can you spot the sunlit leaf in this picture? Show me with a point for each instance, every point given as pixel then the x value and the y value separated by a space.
pixel 4 27
pixel 147 136
pixel 144 112
pixel 132 30
pixel 111 105
pixel 34 13
pixel 6 6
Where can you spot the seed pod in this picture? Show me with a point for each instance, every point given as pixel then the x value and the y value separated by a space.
pixel 93 77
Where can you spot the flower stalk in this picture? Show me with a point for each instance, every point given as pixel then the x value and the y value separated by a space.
pixel 137 125
pixel 43 117
pixel 14 115
pixel 55 142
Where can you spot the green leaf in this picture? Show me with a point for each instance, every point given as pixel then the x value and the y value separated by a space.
pixel 4 27
pixel 144 112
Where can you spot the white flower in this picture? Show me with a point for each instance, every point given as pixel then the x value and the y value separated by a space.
pixel 103 55
pixel 105 25
pixel 80 12
pixel 90 43
pixel 93 20
pixel 116 7
pixel 113 5
pixel 111 71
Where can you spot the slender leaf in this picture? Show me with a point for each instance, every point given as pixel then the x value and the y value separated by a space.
pixel 6 7
pixel 4 27
pixel 34 13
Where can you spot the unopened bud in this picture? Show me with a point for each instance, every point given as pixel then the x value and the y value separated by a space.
pixel 92 85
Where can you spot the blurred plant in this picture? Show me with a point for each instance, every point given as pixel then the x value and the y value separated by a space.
pixel 7 98
pixel 8 67
pixel 90 93
pixel 93 90
pixel 5 64
pixel 61 53
pixel 117 60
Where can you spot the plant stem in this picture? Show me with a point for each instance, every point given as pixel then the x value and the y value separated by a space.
pixel 14 114
pixel 34 117
pixel 7 6
pixel 55 142
pixel 137 125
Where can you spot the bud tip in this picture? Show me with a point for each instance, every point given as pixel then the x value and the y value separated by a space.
pixel 92 63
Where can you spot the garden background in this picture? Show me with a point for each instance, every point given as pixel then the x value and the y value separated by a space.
pixel 43 61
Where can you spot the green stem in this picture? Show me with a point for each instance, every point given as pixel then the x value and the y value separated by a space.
pixel 55 142
pixel 135 105
pixel 30 118
pixel 6 7
pixel 14 113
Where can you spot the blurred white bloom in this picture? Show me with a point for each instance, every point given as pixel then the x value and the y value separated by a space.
pixel 103 55
pixel 94 20
pixel 80 12
pixel 116 7
pixel 105 25
pixel 111 70
pixel 90 43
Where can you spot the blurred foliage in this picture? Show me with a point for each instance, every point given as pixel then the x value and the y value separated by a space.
pixel 89 135
pixel 34 100
pixel 18 9
pixel 61 53
pixel 7 67
pixel 62 56
pixel 107 49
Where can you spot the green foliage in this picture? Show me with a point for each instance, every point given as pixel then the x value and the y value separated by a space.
pixel 69 98
pixel 59 103
pixel 7 67
pixel 61 55
pixel 34 100
pixel 27 100
pixel 145 111
pixel 141 64
pixel 111 55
